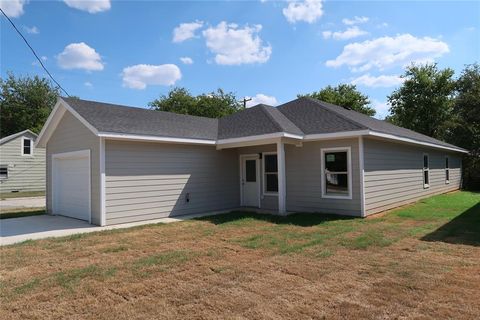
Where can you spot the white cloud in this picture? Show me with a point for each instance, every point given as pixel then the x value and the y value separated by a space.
pixel 80 56
pixel 382 109
pixel 380 81
pixel 88 84
pixel 44 58
pixel 12 8
pixel 91 6
pixel 186 31
pixel 386 52
pixel 31 30
pixel 355 20
pixel 141 75
pixel 308 11
pixel 351 32
pixel 234 46
pixel 186 60
pixel 262 98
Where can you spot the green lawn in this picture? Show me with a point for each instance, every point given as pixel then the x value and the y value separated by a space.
pixel 420 261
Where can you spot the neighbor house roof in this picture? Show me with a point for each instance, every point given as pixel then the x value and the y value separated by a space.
pixel 15 135
pixel 303 119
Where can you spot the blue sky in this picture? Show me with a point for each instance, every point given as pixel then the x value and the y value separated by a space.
pixel 130 52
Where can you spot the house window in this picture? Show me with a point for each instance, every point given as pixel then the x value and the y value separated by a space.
pixel 27 147
pixel 270 173
pixel 3 172
pixel 426 171
pixel 447 171
pixel 336 173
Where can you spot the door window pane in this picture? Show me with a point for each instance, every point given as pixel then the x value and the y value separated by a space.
pixel 250 170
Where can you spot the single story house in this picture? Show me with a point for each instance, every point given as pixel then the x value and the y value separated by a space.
pixel 22 166
pixel 111 164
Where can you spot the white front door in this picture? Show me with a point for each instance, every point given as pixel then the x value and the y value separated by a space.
pixel 250 181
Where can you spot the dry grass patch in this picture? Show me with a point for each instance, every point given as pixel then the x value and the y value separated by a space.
pixel 421 261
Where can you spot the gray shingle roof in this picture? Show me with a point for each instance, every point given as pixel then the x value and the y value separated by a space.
pixel 373 124
pixel 301 116
pixel 107 117
pixel 260 119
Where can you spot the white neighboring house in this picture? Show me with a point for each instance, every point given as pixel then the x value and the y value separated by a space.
pixel 22 166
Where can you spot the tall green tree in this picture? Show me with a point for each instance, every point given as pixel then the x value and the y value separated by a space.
pixel 465 132
pixel 424 102
pixel 25 103
pixel 344 95
pixel 212 105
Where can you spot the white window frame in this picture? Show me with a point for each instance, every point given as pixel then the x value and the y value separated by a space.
pixel 23 147
pixel 447 170
pixel 264 180
pixel 6 167
pixel 427 169
pixel 349 172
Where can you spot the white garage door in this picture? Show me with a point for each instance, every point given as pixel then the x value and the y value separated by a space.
pixel 71 184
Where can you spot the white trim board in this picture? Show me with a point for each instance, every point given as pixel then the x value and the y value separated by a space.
pixel 361 163
pixel 137 137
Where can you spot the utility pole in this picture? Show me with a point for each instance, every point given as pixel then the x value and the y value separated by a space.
pixel 245 100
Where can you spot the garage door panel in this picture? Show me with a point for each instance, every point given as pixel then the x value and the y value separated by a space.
pixel 72 187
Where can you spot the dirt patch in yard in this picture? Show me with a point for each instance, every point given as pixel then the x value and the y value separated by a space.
pixel 242 265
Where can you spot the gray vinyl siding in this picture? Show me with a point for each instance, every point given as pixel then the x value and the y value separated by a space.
pixel 303 177
pixel 267 201
pixel 71 135
pixel 150 180
pixel 25 173
pixel 394 174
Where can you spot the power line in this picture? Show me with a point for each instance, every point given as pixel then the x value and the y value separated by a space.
pixel 34 53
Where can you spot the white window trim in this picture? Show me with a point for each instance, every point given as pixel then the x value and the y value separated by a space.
pixel 447 181
pixel 31 147
pixel 264 181
pixel 349 172
pixel 427 169
pixel 6 167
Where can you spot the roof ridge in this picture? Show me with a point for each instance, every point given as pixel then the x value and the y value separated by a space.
pixel 321 103
pixel 267 112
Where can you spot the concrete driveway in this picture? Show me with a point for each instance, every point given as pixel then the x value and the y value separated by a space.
pixel 17 230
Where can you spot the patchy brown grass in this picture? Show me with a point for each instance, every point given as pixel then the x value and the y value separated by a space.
pixel 409 263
